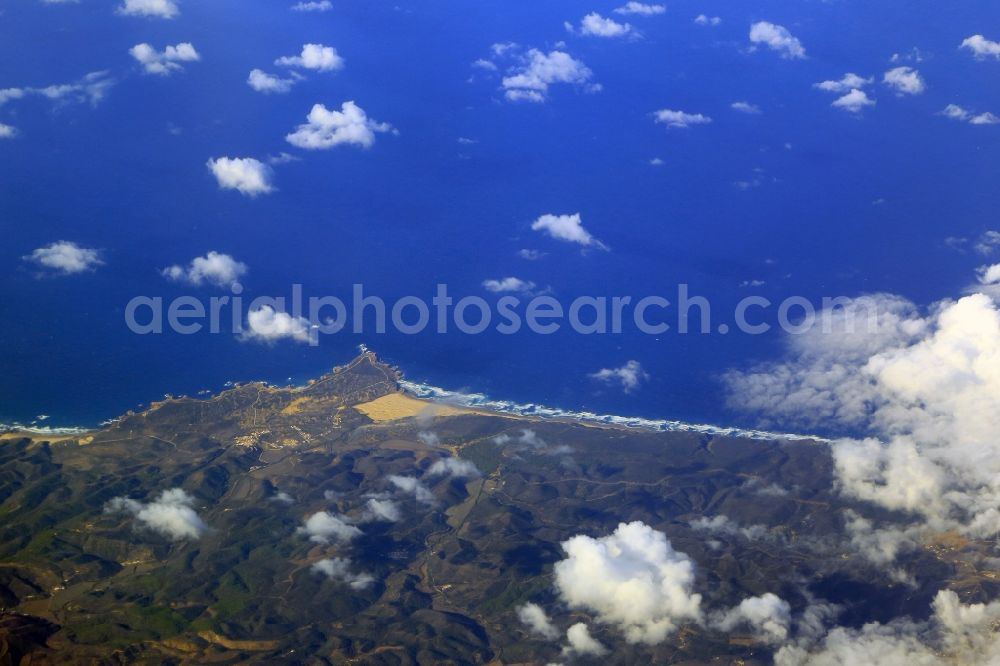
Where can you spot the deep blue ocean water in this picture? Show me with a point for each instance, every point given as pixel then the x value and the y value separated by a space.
pixel 840 204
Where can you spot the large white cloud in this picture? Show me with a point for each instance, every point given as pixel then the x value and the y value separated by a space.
pixel 246 175
pixel 149 8
pixel 905 81
pixel 324 527
pixel 777 38
pixel 537 71
pixel 314 56
pixel 629 376
pixel 339 568
pixel 632 579
pixel 65 257
pixel 568 228
pixel 680 119
pixel 214 268
pixel 326 128
pixel 982 47
pixel 166 61
pixel 267 325
pixel 170 514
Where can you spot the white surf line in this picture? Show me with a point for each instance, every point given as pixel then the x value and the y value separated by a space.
pixel 482 401
pixel 41 430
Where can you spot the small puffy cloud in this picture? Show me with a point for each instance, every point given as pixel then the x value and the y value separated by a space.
pixel 456 468
pixel 537 71
pixel 327 128
pixel 581 643
pixel 680 119
pixel 534 618
pixel 378 509
pixel 530 255
pixel 854 101
pixel 769 616
pixel 956 112
pixel 246 175
pixel 323 527
pixel 90 89
pixel 314 56
pixel 629 376
pixel 339 569
pixel 905 81
pixel 170 514
pixel 985 119
pixel 595 25
pixel 568 228
pixel 166 61
pixel 65 257
pixel 7 131
pixel 724 525
pixel 777 38
pixel 149 8
pixel 847 83
pixel 745 107
pixel 988 242
pixel 632 579
pixel 640 8
pixel 313 6
pixel 267 325
pixel 282 497
pixel 429 438
pixel 981 47
pixel 989 275
pixel 266 83
pixel 214 268
pixel 703 19
pixel 508 284
pixel 412 486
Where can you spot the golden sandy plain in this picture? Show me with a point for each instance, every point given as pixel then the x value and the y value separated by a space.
pixel 397 406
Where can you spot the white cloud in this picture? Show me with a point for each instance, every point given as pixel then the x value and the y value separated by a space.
pixel 534 617
pixel 777 38
pixel 640 8
pixel 905 81
pixel 246 175
pixel 537 71
pixel 956 633
pixel 429 438
pixel 312 6
pixel 149 8
pixel 703 19
pixel 166 61
pixel 981 47
pixel 267 325
pixel 65 257
pixel 724 525
pixel 531 255
pixel 412 486
pixel 629 376
pixel 985 119
pixel 215 268
pixel 456 468
pixel 989 275
pixel 680 119
pixel 508 284
pixel 633 579
pixel 854 101
pixel 568 228
pixel 927 388
pixel 263 82
pixel 381 510
pixel 339 568
pixel 170 514
pixel 988 242
pixel 7 131
pixel 91 89
pixel 314 56
pixel 328 128
pixel 956 112
pixel 595 25
pixel 323 527
pixel 745 107
pixel 849 82
pixel 582 643
pixel 769 616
